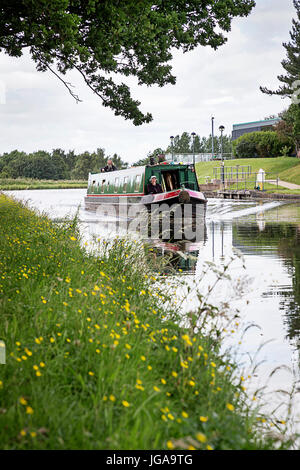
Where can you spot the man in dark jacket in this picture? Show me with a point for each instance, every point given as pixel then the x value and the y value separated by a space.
pixel 153 187
pixel 109 167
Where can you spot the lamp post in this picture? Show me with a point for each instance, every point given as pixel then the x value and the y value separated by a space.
pixel 193 135
pixel 172 138
pixel 212 137
pixel 221 129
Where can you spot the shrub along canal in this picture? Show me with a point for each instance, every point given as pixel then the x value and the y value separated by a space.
pixel 260 244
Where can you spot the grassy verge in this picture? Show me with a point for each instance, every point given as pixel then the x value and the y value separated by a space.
pixel 10 184
pixel 94 360
pixel 287 168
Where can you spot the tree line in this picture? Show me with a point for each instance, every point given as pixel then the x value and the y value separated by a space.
pixel 55 165
pixel 185 143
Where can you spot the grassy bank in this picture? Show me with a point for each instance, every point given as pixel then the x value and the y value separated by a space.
pixel 10 184
pixel 287 168
pixel 94 360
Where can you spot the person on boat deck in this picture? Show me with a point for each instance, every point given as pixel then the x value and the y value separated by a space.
pixel 153 187
pixel 109 167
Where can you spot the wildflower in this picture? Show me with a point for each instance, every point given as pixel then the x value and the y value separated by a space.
pixel 229 406
pixel 42 364
pixel 156 389
pixel 170 445
pixel 29 410
pixel 23 401
pixel 203 419
pixel 201 437
pixel 187 340
pixel 23 432
pixel 33 434
pixel 184 414
pixel 125 403
pixel 91 373
pixel 112 398
pixel 143 358
pixel 163 381
pixel 174 374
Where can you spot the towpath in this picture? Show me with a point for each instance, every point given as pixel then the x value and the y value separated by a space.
pixel 284 184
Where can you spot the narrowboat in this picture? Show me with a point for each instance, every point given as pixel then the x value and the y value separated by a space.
pixel 178 181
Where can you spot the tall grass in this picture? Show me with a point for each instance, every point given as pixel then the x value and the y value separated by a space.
pixel 96 356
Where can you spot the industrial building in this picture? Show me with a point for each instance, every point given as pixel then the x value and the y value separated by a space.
pixel 256 126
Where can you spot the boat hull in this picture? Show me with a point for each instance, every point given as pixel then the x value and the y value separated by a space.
pixel 166 200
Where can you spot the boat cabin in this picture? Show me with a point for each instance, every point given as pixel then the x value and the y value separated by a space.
pixel 133 181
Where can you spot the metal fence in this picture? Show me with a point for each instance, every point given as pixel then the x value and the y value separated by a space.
pixel 197 157
pixel 243 178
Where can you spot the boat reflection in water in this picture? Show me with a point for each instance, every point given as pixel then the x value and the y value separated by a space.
pixel 179 222
pixel 175 257
pixel 172 238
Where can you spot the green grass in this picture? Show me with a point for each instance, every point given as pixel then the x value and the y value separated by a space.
pixel 10 184
pixel 95 359
pixel 287 168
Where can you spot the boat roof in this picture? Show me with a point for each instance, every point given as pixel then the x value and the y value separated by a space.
pixel 138 170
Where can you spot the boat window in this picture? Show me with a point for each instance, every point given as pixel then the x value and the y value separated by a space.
pixel 116 184
pixel 125 181
pixel 102 186
pixel 137 183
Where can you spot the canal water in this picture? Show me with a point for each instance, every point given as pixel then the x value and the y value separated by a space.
pixel 260 243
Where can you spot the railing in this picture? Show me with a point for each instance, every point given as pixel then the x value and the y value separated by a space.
pixel 198 157
pixel 231 172
pixel 245 179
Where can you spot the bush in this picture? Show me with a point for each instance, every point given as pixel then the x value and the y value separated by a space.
pixel 266 144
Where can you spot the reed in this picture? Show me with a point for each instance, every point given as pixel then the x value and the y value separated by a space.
pixel 10 184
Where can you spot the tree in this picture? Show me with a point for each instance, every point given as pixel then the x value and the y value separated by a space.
pixel 290 125
pixel 60 166
pixel 262 145
pixel 291 64
pixel 103 39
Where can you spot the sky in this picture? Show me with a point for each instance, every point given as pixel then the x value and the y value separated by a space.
pixel 38 113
